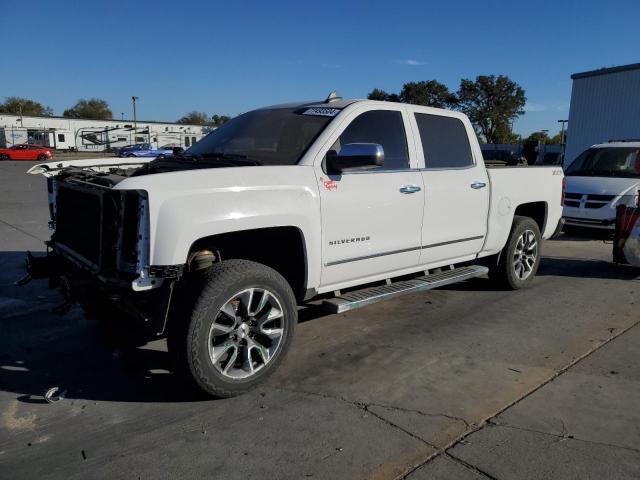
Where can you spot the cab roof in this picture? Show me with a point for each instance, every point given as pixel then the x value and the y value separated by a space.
pixel 632 143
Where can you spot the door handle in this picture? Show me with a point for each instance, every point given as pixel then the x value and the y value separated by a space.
pixel 410 189
pixel 478 185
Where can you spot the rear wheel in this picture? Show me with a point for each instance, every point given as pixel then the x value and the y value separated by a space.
pixel 4 156
pixel 520 257
pixel 235 330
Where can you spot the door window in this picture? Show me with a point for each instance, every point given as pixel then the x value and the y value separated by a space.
pixel 445 142
pixel 61 137
pixel 384 127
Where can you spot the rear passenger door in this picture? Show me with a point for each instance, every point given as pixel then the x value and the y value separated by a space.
pixel 371 218
pixel 456 189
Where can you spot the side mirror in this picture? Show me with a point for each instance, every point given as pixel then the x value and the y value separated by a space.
pixel 177 151
pixel 354 155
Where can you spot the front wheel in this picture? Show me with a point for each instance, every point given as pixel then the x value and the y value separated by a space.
pixel 520 257
pixel 42 158
pixel 4 156
pixel 235 330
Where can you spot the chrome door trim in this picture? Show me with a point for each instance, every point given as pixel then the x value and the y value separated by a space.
pixel 453 241
pixel 393 252
pixel 374 255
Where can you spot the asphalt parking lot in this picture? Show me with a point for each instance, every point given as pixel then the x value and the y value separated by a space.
pixel 463 383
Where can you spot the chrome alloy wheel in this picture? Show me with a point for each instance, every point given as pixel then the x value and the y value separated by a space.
pixel 525 254
pixel 246 333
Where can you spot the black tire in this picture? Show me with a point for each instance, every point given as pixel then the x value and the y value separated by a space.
pixel 4 156
pixel 506 272
pixel 198 305
pixel 42 158
pixel 130 156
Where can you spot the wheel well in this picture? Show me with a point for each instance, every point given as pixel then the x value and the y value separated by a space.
pixel 281 248
pixel 535 210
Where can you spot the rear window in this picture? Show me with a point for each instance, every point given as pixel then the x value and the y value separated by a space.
pixel 606 162
pixel 445 143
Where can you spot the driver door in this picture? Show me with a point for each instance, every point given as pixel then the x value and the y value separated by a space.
pixel 371 217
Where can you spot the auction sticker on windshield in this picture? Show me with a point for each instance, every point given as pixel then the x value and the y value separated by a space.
pixel 323 112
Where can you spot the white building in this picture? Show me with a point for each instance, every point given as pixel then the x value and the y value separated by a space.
pixel 94 135
pixel 605 105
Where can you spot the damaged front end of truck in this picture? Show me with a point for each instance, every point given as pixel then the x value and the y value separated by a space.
pixel 98 254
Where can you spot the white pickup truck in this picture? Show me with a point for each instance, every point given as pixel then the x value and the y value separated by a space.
pixel 343 201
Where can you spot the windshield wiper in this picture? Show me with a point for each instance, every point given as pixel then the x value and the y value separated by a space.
pixel 235 158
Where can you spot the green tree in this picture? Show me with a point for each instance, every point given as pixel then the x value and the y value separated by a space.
pixel 556 139
pixel 24 106
pixel 506 135
pixel 94 108
pixel 492 103
pixel 201 118
pixel 540 136
pixel 217 120
pixel 378 94
pixel 429 93
pixel 195 118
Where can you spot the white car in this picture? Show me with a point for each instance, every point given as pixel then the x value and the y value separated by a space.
pixel 600 179
pixel 354 200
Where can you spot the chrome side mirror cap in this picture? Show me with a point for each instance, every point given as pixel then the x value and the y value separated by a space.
pixel 354 155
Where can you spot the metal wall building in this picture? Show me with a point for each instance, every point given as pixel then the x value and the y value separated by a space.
pixel 605 105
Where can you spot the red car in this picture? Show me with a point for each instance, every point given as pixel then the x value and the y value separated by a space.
pixel 25 152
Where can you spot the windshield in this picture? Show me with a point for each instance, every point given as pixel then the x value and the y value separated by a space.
pixel 606 162
pixel 275 136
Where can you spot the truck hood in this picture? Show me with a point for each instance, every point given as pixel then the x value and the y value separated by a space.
pixel 602 185
pixel 51 169
pixel 220 179
pixel 125 167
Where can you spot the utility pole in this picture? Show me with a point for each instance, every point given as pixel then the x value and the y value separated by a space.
pixel 135 122
pixel 562 122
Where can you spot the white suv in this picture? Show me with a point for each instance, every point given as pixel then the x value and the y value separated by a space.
pixel 600 179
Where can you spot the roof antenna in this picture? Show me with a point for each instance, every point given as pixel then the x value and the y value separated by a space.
pixel 333 97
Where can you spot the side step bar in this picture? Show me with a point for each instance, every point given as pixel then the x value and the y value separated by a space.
pixel 367 296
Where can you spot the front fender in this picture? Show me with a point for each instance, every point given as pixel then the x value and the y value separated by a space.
pixel 187 206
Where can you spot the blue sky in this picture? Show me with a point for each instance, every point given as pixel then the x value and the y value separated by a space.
pixel 229 57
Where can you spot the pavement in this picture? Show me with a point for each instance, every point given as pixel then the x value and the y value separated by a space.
pixel 465 382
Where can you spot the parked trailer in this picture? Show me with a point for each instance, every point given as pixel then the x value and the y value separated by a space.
pixel 13 136
pixel 95 135
pixel 96 139
pixel 99 139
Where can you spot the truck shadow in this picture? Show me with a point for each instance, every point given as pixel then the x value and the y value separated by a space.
pixel 586 268
pixel 86 365
pixel 90 360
